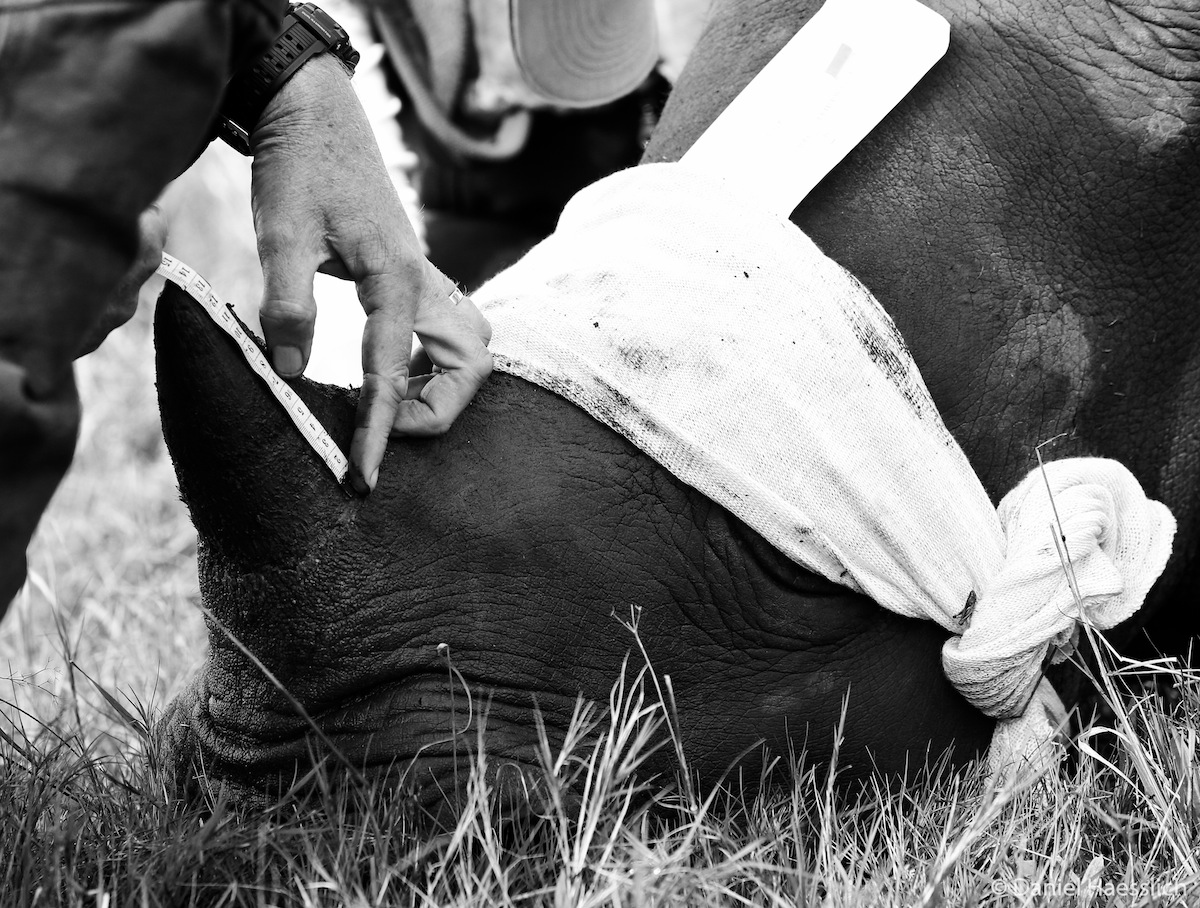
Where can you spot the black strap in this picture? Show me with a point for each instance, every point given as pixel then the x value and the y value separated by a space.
pixel 307 31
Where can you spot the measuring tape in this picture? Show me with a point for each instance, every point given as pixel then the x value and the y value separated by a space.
pixel 189 280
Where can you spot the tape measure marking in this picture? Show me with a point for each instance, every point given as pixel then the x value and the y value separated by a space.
pixel 189 280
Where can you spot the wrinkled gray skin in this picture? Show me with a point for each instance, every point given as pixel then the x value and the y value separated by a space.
pixel 1025 216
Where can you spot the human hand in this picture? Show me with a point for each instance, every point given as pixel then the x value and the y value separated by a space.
pixel 323 201
pixel 122 303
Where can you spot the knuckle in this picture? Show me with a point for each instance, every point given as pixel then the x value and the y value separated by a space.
pixel 382 390
pixel 440 422
pixel 274 243
pixel 481 365
pixel 280 311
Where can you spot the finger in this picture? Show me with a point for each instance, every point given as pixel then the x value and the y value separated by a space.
pixel 418 364
pixel 386 346
pixel 335 267
pixel 453 335
pixel 122 303
pixel 152 239
pixel 464 306
pixel 452 329
pixel 416 386
pixel 443 397
pixel 288 312
pixel 377 405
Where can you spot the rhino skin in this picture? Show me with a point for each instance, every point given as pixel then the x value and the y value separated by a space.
pixel 518 539
pixel 1025 216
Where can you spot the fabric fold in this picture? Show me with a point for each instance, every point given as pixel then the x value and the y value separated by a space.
pixel 722 342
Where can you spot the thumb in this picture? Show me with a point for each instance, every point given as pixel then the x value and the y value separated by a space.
pixel 288 312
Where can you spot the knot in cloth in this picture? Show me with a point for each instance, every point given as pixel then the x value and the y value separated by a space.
pixel 1114 544
pixel 724 344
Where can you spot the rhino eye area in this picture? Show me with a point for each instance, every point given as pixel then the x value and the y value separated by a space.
pixel 779 567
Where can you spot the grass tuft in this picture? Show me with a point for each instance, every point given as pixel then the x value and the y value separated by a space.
pixel 84 823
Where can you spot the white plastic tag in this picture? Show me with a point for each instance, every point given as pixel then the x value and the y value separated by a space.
pixel 818 97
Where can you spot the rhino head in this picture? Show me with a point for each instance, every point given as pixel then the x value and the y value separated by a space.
pixel 517 540
pixel 1025 218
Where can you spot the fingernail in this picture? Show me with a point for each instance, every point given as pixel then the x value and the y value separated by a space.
pixel 357 482
pixel 288 360
pixel 374 480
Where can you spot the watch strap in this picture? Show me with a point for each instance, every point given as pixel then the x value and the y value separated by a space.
pixel 307 31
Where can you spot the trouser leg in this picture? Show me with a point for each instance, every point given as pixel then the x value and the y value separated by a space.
pixel 101 104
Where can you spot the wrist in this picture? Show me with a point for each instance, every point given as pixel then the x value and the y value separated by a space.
pixel 319 89
pixel 308 34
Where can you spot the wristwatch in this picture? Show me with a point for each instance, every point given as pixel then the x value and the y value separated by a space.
pixel 307 31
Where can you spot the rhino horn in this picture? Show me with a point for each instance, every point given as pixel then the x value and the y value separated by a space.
pixel 255 489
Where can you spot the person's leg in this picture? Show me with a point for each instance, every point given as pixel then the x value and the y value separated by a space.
pixel 101 103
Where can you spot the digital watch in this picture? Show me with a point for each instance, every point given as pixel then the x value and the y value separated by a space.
pixel 307 31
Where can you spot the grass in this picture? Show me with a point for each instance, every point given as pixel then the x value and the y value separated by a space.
pixel 109 626
pixel 82 824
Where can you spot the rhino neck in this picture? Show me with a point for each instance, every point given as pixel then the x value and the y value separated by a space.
pixel 255 489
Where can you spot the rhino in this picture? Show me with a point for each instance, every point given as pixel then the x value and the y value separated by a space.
pixel 1024 216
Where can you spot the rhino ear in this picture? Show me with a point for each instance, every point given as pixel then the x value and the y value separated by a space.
pixel 255 489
